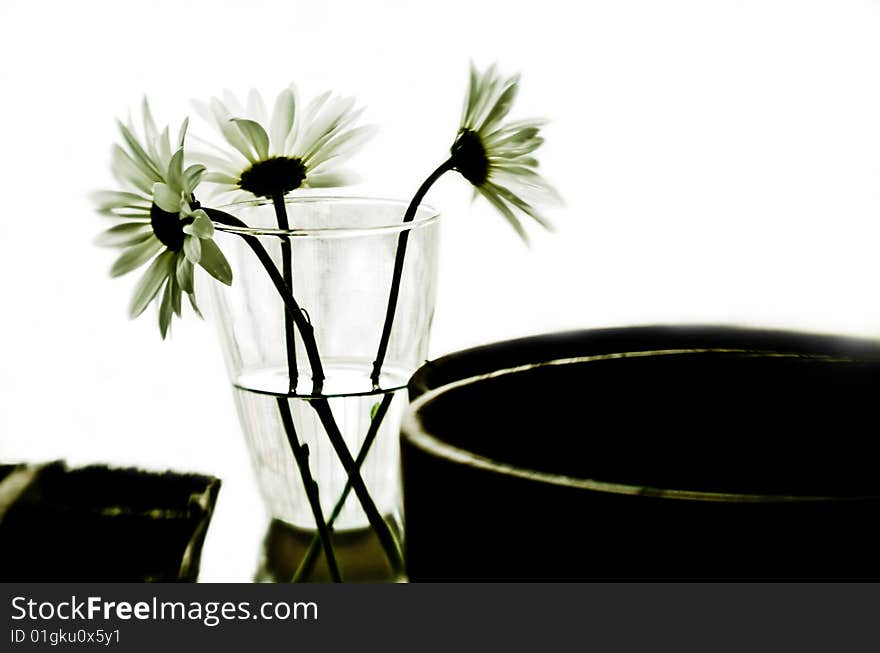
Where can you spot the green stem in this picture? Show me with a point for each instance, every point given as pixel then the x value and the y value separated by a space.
pixel 383 532
pixel 305 566
pixel 397 275
pixel 302 324
pixel 287 274
pixel 301 456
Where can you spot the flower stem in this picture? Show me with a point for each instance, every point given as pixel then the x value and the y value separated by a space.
pixel 305 566
pixel 402 241
pixel 305 328
pixel 383 532
pixel 287 274
pixel 301 456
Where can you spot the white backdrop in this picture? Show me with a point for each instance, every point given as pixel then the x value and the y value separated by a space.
pixel 720 163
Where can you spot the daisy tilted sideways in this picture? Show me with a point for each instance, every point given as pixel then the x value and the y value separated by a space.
pixel 159 220
pixel 497 156
pixel 295 147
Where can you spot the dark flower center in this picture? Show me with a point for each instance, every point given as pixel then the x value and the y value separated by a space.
pixel 275 176
pixel 168 227
pixel 469 157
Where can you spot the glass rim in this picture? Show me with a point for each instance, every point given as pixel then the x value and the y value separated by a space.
pixel 413 430
pixel 425 215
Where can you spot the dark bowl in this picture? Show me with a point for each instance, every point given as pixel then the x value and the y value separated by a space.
pixel 645 453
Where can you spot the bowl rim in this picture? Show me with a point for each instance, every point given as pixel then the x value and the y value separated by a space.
pixel 413 431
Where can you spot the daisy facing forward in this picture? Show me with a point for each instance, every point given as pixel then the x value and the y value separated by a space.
pixel 269 157
pixel 296 147
pixel 159 220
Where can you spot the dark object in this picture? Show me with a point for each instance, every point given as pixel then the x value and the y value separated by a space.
pixel 358 551
pixel 100 524
pixel 674 453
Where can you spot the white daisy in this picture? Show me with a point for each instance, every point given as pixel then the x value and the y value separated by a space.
pixel 295 147
pixel 159 220
pixel 496 157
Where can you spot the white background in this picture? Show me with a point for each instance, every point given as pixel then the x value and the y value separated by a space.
pixel 720 162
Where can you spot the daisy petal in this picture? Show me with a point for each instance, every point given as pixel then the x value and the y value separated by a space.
pixel 192 247
pixel 181 135
pixel 175 170
pixel 175 288
pixel 135 256
pixel 126 213
pixel 192 302
pixel 221 178
pixel 192 176
pixel 323 126
pixel 315 106
pixel 256 109
pixel 470 99
pixel 166 198
pixel 331 179
pixel 522 160
pixel 150 131
pixel 513 126
pixel 127 172
pixel 139 156
pixel 108 199
pixel 514 151
pixel 185 273
pixel 255 134
pixel 297 135
pixel 342 146
pixel 214 263
pixel 230 130
pixel 233 106
pixel 163 143
pixel 150 283
pixel 505 211
pixel 504 139
pixel 528 183
pixel 201 226
pixel 282 120
pixel 166 309
pixel 502 105
pixel 487 90
pixel 522 205
pixel 203 110
pixel 124 235
pixel 221 163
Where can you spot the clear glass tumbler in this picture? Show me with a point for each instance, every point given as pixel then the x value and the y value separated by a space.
pixel 339 257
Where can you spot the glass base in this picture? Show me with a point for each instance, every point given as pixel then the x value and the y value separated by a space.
pixel 359 555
